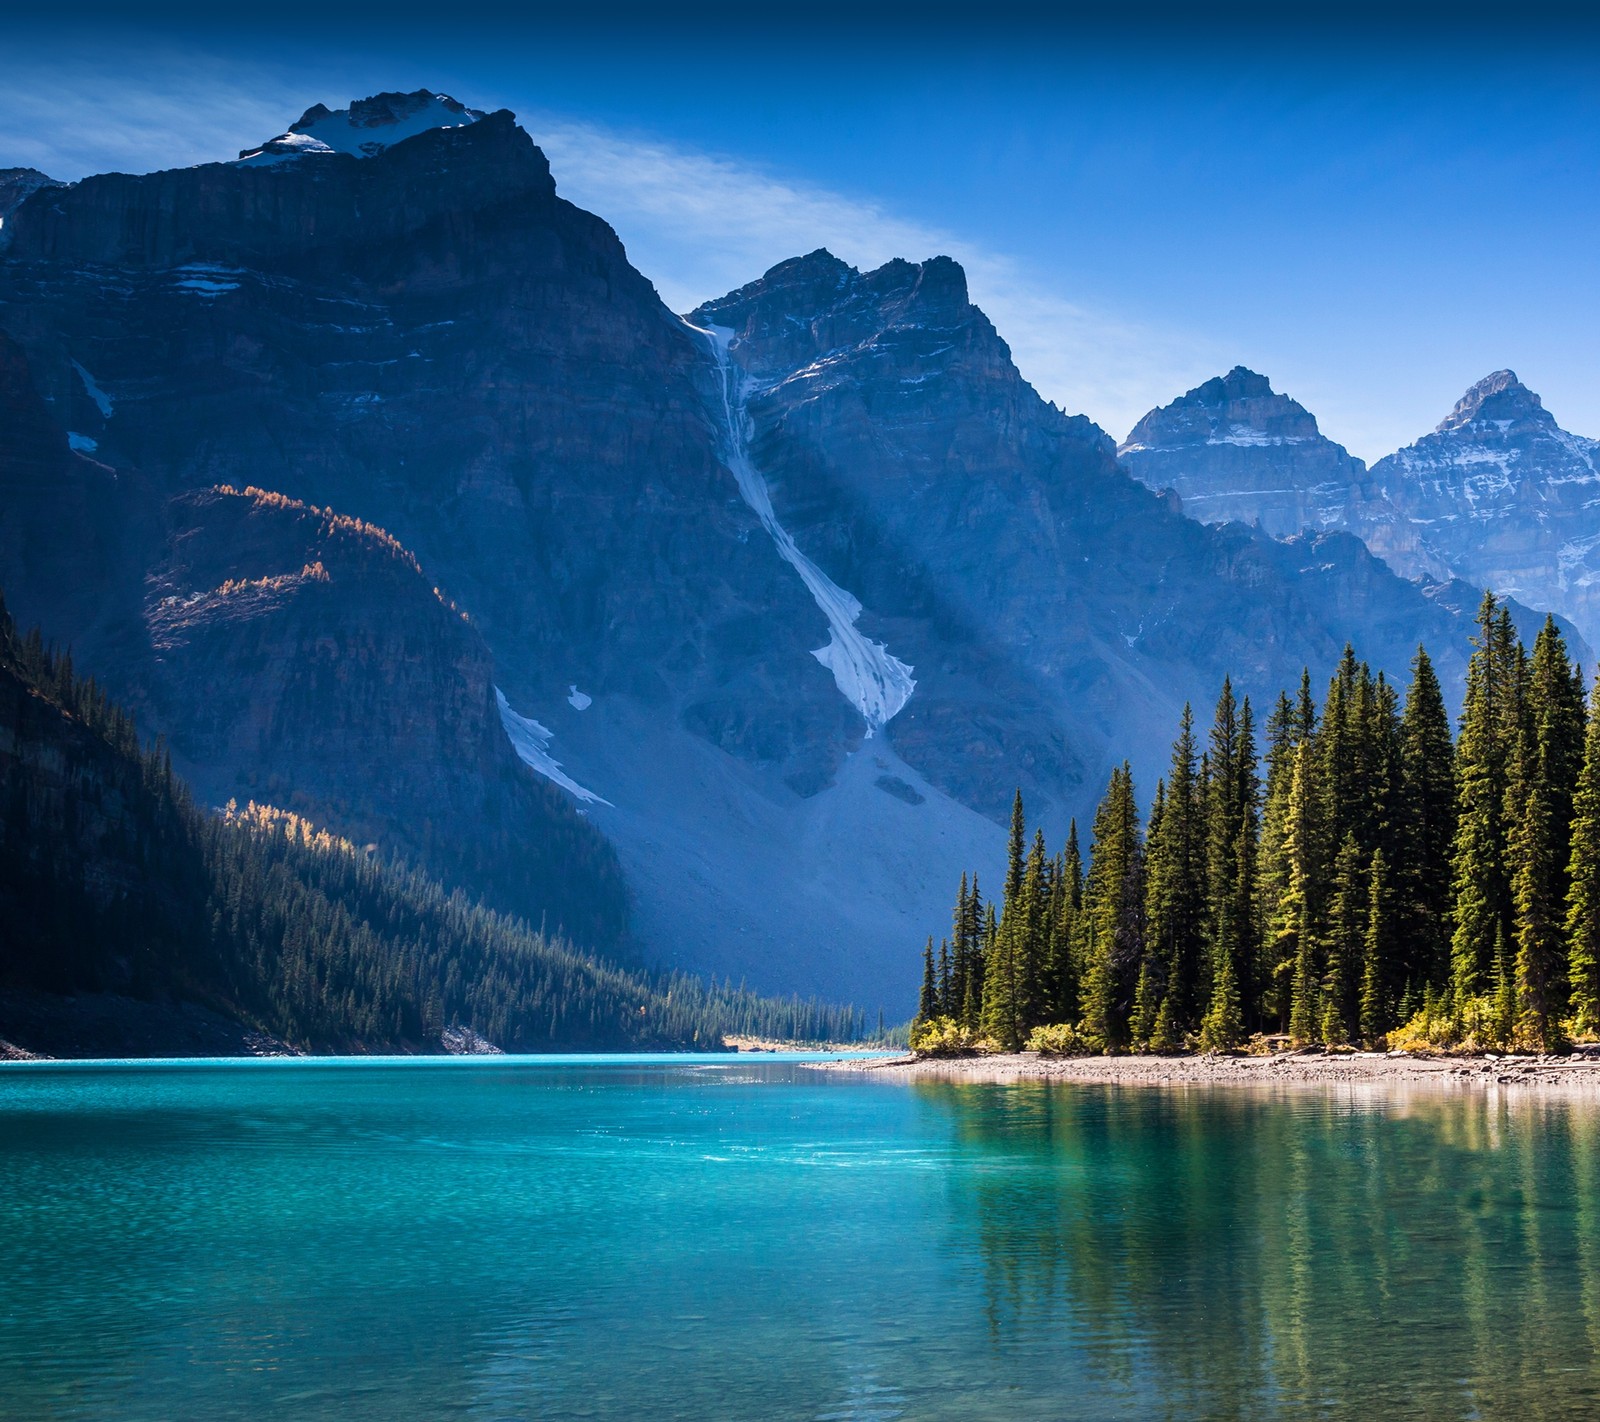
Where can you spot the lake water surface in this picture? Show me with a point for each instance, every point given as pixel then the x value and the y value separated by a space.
pixel 627 1238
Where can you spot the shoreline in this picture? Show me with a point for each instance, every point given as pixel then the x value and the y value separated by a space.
pixel 1578 1074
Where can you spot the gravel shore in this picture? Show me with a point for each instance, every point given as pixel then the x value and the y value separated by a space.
pixel 1575 1074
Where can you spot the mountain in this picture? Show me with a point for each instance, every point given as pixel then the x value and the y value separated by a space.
pixel 17 184
pixel 133 924
pixel 1234 449
pixel 1501 495
pixel 1498 495
pixel 786 595
pixel 297 657
pixel 1050 608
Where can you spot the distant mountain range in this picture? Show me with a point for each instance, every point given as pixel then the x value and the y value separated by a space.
pixel 1498 494
pixel 372 474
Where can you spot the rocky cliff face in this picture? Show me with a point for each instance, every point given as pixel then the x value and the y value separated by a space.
pixel 297 657
pixel 1234 449
pixel 705 558
pixel 1501 495
pixel 1056 612
pixel 1498 495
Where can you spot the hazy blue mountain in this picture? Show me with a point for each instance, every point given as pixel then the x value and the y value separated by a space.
pixel 786 596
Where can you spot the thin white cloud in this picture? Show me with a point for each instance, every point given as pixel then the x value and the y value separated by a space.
pixel 700 225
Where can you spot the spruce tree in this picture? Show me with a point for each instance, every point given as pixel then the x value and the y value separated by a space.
pixel 1583 895
pixel 928 1002
pixel 1285 732
pixel 1556 710
pixel 1114 914
pixel 1223 1028
pixel 1377 951
pixel 1230 797
pixel 1175 868
pixel 1294 925
pixel 1033 941
pixel 1538 941
pixel 1426 830
pixel 1346 935
pixel 1490 729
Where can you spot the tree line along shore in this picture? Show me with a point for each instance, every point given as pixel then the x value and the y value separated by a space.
pixel 1372 880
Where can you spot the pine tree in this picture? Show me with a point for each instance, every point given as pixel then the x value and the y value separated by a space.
pixel 1223 1028
pixel 1538 942
pixel 1294 925
pixel 1346 934
pixel 1113 909
pixel 1425 832
pixel 1377 951
pixel 1555 697
pixel 1176 884
pixel 1489 729
pixel 1232 828
pixel 1285 732
pixel 1583 896
pixel 1032 934
pixel 946 983
pixel 1002 983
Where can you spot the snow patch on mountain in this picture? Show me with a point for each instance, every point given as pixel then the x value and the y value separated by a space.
pixel 364 129
pixel 578 700
pixel 875 682
pixel 92 389
pixel 531 741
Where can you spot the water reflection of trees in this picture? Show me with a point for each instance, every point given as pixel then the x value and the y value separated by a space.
pixel 1235 1254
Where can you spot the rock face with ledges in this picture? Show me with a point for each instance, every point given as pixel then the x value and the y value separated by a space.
pixel 1057 612
pixel 1233 449
pixel 1501 495
pixel 1498 495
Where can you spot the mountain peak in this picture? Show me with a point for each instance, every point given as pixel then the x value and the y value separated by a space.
pixel 366 128
pixel 1239 383
pixel 17 185
pixel 1500 398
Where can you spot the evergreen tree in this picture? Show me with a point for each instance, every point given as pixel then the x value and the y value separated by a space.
pixel 1114 914
pixel 1223 1028
pixel 1583 898
pixel 1232 827
pixel 1426 831
pixel 1002 983
pixel 1346 935
pixel 1490 728
pixel 1538 940
pixel 928 1001
pixel 1377 951
pixel 1286 730
pixel 1176 884
pixel 1033 937
pixel 1294 925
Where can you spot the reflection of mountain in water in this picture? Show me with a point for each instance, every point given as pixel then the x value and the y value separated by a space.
pixel 1244 1256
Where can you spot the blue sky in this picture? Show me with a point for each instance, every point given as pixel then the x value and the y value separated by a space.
pixel 1373 214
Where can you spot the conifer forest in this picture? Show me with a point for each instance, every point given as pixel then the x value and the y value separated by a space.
pixel 1347 874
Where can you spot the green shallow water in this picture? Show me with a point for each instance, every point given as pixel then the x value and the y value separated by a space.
pixel 671 1238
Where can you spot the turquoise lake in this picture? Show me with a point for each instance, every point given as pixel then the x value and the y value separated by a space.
pixel 706 1238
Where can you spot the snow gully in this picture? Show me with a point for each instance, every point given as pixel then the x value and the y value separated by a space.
pixel 875 682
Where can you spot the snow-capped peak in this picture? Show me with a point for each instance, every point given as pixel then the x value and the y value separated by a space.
pixel 364 129
pixel 1500 397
